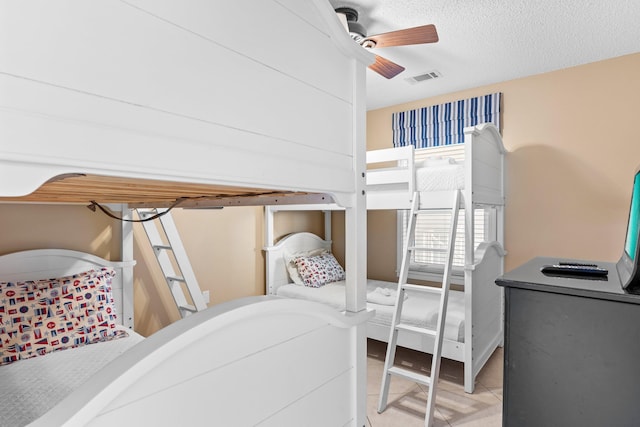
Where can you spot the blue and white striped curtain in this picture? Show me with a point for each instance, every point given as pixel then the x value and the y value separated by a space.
pixel 444 124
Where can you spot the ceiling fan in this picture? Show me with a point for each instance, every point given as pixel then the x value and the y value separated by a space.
pixel 408 36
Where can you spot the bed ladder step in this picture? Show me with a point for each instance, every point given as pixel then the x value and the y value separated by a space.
pixel 189 307
pixel 416 329
pixel 426 249
pixel 173 260
pixel 162 247
pixel 397 326
pixel 421 288
pixel 411 375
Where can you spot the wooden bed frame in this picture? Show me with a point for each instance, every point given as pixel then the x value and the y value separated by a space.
pixel 174 107
pixel 393 187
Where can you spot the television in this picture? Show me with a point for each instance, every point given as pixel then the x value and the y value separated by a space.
pixel 627 266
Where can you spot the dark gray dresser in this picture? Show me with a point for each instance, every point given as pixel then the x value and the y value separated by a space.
pixel 572 350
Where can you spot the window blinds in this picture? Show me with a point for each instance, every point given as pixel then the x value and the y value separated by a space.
pixel 432 231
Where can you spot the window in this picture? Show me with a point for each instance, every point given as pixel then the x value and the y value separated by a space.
pixel 432 230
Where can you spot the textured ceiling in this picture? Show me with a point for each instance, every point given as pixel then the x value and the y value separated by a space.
pixel 489 41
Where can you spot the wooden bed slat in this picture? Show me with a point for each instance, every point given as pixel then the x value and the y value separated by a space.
pixel 83 189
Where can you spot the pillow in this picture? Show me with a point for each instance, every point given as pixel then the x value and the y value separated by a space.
pixel 319 270
pixel 435 161
pixel 42 316
pixel 292 268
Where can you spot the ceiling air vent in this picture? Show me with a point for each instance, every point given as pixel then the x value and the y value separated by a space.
pixel 424 77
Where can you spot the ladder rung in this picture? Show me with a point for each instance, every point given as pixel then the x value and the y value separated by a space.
pixel 416 329
pixel 429 211
pixel 188 307
pixel 423 249
pixel 421 288
pixel 147 213
pixel 175 279
pixel 422 211
pixel 162 247
pixel 410 375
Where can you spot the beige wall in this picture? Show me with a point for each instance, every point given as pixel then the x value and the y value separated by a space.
pixel 573 148
pixel 24 227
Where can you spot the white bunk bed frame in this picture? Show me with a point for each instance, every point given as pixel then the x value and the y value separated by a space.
pixel 174 100
pixel 185 358
pixel 394 188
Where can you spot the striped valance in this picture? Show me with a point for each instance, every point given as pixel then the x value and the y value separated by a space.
pixel 444 124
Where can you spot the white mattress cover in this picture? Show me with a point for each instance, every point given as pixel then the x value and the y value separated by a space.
pixel 419 309
pixel 31 387
pixel 440 178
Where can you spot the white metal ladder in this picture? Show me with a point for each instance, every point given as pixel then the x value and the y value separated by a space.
pixel 183 281
pixel 397 325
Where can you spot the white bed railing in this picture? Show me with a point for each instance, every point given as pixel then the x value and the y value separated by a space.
pixel 393 185
pixel 209 365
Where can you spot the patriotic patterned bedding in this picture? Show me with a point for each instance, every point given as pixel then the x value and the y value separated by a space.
pixel 55 333
pixel 42 316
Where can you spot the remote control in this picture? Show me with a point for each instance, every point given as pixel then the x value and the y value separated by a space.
pixel 573 269
pixel 578 264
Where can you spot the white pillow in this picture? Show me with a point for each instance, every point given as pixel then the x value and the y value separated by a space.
pixel 292 268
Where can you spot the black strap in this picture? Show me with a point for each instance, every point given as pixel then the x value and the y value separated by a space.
pixel 95 205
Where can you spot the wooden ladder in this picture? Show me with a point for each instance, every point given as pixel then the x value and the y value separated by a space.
pixel 396 323
pixel 177 270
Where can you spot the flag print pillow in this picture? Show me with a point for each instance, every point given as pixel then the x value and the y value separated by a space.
pixel 39 317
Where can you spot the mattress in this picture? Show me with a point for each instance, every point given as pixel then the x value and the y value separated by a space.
pixel 31 387
pixel 419 309
pixel 440 178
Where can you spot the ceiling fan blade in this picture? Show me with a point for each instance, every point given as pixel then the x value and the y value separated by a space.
pixel 416 35
pixel 386 68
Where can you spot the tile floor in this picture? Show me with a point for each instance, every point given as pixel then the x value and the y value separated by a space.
pixel 454 407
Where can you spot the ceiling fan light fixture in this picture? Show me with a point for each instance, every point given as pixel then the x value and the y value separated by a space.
pixel 356 31
pixel 368 43
pixel 349 13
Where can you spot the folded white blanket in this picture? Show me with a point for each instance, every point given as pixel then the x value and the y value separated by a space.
pixel 420 309
pixel 383 296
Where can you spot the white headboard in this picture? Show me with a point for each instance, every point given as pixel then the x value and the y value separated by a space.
pixel 51 263
pixel 276 271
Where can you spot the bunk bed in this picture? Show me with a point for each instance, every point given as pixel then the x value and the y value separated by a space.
pixel 156 104
pixel 473 327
